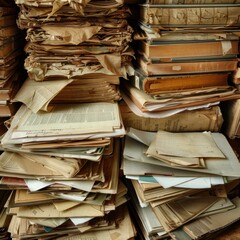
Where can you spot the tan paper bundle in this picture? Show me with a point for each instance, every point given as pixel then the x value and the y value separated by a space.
pixel 33 13
pixel 88 33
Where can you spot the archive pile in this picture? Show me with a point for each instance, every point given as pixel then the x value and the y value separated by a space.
pixel 183 185
pixel 84 46
pixel 182 173
pixel 186 55
pixel 63 163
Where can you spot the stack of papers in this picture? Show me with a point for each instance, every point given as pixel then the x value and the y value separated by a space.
pixel 64 167
pixel 208 227
pixel 11 43
pixel 76 52
pixel 62 149
pixel 185 149
pixel 179 176
pixel 173 120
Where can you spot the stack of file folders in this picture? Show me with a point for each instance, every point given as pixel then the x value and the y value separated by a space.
pixel 62 149
pixel 186 54
pixel 183 185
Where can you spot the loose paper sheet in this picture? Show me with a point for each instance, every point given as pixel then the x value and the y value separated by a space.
pixel 187 145
pixel 70 119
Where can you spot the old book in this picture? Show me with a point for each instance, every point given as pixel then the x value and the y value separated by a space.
pixel 9 47
pixel 9 31
pixel 161 102
pixel 204 66
pixel 9 109
pixel 181 50
pixel 191 16
pixel 8 21
pixel 5 11
pixel 194 120
pixel 158 84
pixel 9 88
pixel 154 34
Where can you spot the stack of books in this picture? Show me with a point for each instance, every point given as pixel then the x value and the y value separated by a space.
pixel 186 55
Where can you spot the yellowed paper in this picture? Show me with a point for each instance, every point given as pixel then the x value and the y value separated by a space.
pixel 71 35
pixel 65 205
pixel 37 96
pixel 49 211
pixel 70 119
pixel 187 145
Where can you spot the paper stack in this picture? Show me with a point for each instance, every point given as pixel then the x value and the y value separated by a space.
pixel 11 58
pixel 194 119
pixel 63 163
pixel 186 55
pixel 76 51
pixel 183 179
pixel 64 167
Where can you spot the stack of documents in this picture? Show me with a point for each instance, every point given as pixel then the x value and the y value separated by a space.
pixel 64 168
pixel 195 120
pixel 186 54
pixel 11 44
pixel 62 149
pixel 80 49
pixel 180 177
pixel 208 227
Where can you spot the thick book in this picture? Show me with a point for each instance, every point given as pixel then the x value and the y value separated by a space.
pixel 157 34
pixel 186 67
pixel 8 21
pixel 211 15
pixel 9 109
pixel 188 49
pixel 9 31
pixel 157 84
pixel 160 102
pixel 5 11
